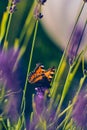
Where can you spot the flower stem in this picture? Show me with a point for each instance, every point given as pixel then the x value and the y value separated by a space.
pixel 4 125
pixel 65 110
pixel 29 64
pixel 6 35
pixel 29 19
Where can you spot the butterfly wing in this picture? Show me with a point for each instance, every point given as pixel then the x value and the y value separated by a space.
pixel 49 74
pixel 36 75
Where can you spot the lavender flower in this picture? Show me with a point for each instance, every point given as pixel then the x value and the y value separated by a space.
pixel 41 1
pixel 7 61
pixel 9 80
pixel 39 98
pixel 80 110
pixel 15 1
pixel 12 7
pixel 75 43
pixel 41 111
pixel 37 10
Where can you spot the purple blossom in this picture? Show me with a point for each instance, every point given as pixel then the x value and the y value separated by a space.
pixel 15 1
pixel 75 43
pixel 39 99
pixel 41 109
pixel 80 110
pixel 41 1
pixel 37 12
pixel 12 8
pixel 9 80
pixel 7 62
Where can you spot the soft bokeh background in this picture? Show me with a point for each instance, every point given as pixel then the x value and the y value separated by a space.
pixel 48 46
pixel 60 17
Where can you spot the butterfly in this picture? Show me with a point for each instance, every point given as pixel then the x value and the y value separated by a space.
pixel 40 76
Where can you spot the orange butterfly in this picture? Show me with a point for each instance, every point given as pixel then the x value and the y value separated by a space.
pixel 41 76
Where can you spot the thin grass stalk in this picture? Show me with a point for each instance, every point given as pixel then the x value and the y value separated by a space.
pixel 69 126
pixel 4 125
pixel 7 31
pixel 67 116
pixel 29 64
pixel 3 25
pixel 65 110
pixel 60 125
pixel 25 44
pixel 27 23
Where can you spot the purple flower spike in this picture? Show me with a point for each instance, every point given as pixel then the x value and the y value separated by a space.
pixel 41 1
pixel 15 1
pixel 39 101
pixel 38 106
pixel 41 109
pixel 40 91
pixel 39 98
pixel 12 8
pixel 9 77
pixel 37 12
pixel 80 110
pixel 40 15
pixel 7 61
pixel 75 43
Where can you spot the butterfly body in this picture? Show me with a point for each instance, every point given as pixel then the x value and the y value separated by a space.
pixel 40 76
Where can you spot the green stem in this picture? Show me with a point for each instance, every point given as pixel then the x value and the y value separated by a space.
pixel 65 110
pixel 81 83
pixel 29 64
pixel 60 125
pixel 6 35
pixel 25 43
pixel 27 23
pixel 4 125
